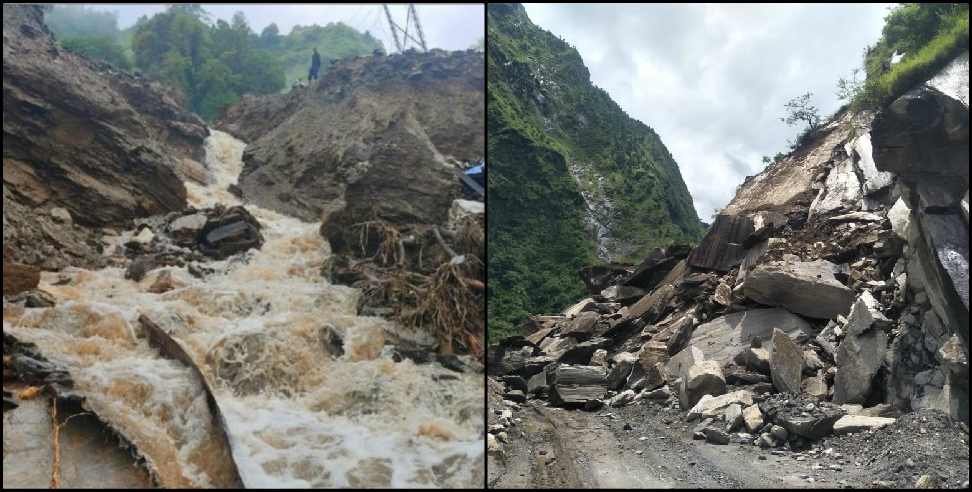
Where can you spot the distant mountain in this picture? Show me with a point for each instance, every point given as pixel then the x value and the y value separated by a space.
pixel 573 179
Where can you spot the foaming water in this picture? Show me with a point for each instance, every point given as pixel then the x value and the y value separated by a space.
pixel 258 329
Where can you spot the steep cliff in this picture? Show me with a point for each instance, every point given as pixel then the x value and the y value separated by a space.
pixel 572 177
pixel 101 146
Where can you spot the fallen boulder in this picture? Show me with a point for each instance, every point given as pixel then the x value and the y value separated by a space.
pixel 861 353
pixel 807 288
pixel 711 406
pixel 786 364
pixel 704 378
pixel 722 247
pixel 725 337
pixel 230 232
pixel 752 418
pixel 858 423
pixel 576 385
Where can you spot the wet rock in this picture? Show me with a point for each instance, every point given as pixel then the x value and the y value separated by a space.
pixel 752 418
pixel 722 247
pixel 230 232
pixel 807 288
pixel 857 423
pixel 703 378
pixel 164 283
pixel 786 364
pixel 38 299
pixel 723 338
pixel 185 230
pixel 861 353
pixel 19 278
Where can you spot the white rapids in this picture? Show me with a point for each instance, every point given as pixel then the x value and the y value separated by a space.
pixel 296 417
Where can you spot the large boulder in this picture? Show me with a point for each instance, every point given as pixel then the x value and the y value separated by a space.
pixel 723 338
pixel 722 247
pixel 786 364
pixel 229 232
pixel 704 378
pixel 357 147
pixel 576 385
pixel 711 406
pixel 862 352
pixel 807 288
pixel 857 423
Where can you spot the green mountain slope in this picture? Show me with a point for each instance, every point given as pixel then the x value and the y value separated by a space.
pixel 572 178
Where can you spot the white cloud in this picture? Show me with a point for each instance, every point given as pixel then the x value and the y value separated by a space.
pixel 712 79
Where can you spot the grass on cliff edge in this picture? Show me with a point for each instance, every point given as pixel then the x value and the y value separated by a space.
pixel 951 37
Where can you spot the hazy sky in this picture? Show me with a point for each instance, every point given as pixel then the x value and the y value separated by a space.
pixel 712 79
pixel 450 27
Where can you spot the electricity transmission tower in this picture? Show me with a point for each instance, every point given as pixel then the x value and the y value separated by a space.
pixel 402 44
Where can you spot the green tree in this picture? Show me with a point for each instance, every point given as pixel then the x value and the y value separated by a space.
pixel 99 48
pixel 78 21
pixel 799 110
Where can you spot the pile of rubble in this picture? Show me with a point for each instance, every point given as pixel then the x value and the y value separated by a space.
pixel 832 311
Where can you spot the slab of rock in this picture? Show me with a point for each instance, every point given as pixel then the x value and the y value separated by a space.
pixel 857 217
pixel 679 364
pixel 577 385
pixel 229 232
pixel 725 337
pixel 600 358
pixel 703 378
pixel 858 423
pixel 733 417
pixel 185 230
pixel 722 247
pixel 861 353
pixel 662 393
pixel 944 256
pixel 740 377
pixel 816 387
pixel 622 399
pixel 599 277
pixel 622 293
pixel 653 304
pixel 582 353
pixel 656 267
pixel 793 415
pixel 618 375
pixel 680 334
pixel 538 384
pixel 577 308
pixel 711 406
pixel 581 326
pixel 807 288
pixel 19 278
pixel 752 418
pixel 786 364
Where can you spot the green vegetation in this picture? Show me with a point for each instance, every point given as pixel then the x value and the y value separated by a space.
pixel 929 35
pixel 211 63
pixel 546 120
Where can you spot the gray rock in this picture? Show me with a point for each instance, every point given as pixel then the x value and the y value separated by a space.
pixel 186 229
pixel 816 387
pixel 842 190
pixel 622 399
pixel 576 385
pixel 861 353
pixel 858 423
pixel 704 378
pixel 622 293
pixel 538 384
pixel 515 396
pixel 682 361
pixel 662 393
pixel 725 337
pixel 722 247
pixel 807 288
pixel 857 217
pixel 733 416
pixel 723 294
pixel 62 215
pixel 944 256
pixel 599 358
pixel 716 436
pixel 618 375
pixel 582 325
pixel 786 364
pixel 752 418
pixel 756 359
pixel 713 406
pixel 779 433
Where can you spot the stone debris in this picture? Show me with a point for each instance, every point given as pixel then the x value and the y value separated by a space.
pixel 858 423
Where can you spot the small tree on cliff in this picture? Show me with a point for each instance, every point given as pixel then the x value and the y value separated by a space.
pixel 799 110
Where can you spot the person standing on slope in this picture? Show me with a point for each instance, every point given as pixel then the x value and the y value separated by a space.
pixel 315 67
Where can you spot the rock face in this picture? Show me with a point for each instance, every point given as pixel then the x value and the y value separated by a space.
pixel 102 145
pixel 369 141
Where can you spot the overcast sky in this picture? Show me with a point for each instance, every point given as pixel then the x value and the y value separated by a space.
pixel 449 27
pixel 712 79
